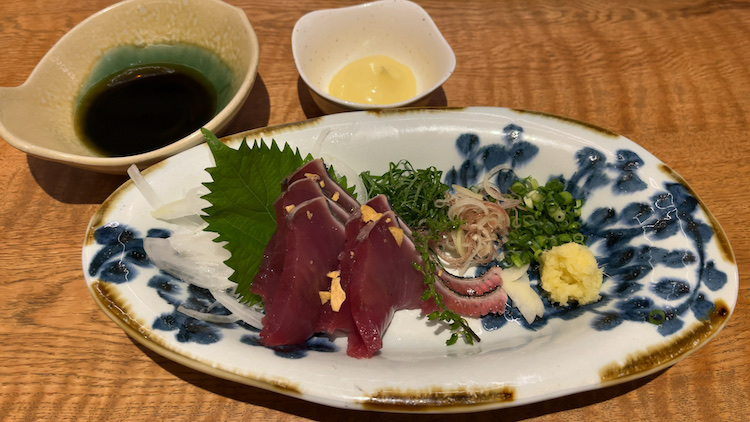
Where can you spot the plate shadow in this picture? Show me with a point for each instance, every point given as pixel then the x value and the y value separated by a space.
pixel 271 400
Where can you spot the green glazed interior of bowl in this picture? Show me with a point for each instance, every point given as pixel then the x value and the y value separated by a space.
pixel 204 61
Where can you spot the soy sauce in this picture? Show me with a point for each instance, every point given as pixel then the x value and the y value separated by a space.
pixel 144 108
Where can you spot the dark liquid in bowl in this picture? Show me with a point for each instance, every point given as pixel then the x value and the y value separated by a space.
pixel 144 108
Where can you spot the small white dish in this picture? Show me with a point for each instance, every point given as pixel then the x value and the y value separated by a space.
pixel 38 116
pixel 324 41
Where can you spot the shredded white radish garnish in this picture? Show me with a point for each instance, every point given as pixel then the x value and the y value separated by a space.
pixel 144 187
pixel 199 246
pixel 191 255
pixel 340 166
pixel 206 273
pixel 191 205
pixel 251 315
pixel 352 177
pixel 205 316
pixel 318 145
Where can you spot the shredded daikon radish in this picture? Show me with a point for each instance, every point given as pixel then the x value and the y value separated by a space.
pixel 352 177
pixel 206 274
pixel 205 316
pixel 199 246
pixel 191 205
pixel 318 145
pixel 251 315
pixel 339 166
pixel 192 255
pixel 144 187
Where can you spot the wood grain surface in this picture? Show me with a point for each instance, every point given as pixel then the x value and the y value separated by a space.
pixel 674 76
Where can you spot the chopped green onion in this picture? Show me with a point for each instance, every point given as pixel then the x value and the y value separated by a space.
pixel 518 188
pixel 657 317
pixel 565 238
pixel 558 215
pixel 564 197
pixel 554 185
pixel 548 217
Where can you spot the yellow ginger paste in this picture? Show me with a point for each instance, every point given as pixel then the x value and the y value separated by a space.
pixel 569 272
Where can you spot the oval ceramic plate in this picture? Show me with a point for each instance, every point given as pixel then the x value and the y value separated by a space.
pixel 662 251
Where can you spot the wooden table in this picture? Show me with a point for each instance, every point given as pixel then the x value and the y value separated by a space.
pixel 674 76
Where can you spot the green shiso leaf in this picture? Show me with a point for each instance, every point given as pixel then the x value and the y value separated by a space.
pixel 245 184
pixel 341 180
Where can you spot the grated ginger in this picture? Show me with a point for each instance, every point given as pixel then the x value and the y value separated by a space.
pixel 569 272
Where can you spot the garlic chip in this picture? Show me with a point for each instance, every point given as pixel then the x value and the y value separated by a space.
pixel 369 214
pixel 312 176
pixel 338 296
pixel 397 234
pixel 324 297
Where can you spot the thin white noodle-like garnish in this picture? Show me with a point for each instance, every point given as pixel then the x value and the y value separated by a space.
pixel 340 167
pixel 208 317
pixel 251 315
pixel 144 187
pixel 190 205
pixel 192 256
pixel 208 275
pixel 318 145
pixel 352 177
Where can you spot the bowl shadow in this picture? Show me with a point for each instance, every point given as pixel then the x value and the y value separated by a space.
pixel 72 185
pixel 311 110
pixel 318 412
pixel 254 113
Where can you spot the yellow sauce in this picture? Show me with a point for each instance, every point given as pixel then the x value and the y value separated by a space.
pixel 374 80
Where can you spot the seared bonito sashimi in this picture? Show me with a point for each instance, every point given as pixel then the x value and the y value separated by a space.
pixel 335 265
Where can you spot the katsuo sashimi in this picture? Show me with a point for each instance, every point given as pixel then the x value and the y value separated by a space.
pixel 320 261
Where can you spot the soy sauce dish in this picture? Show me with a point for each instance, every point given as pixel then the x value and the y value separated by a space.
pixel 133 84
